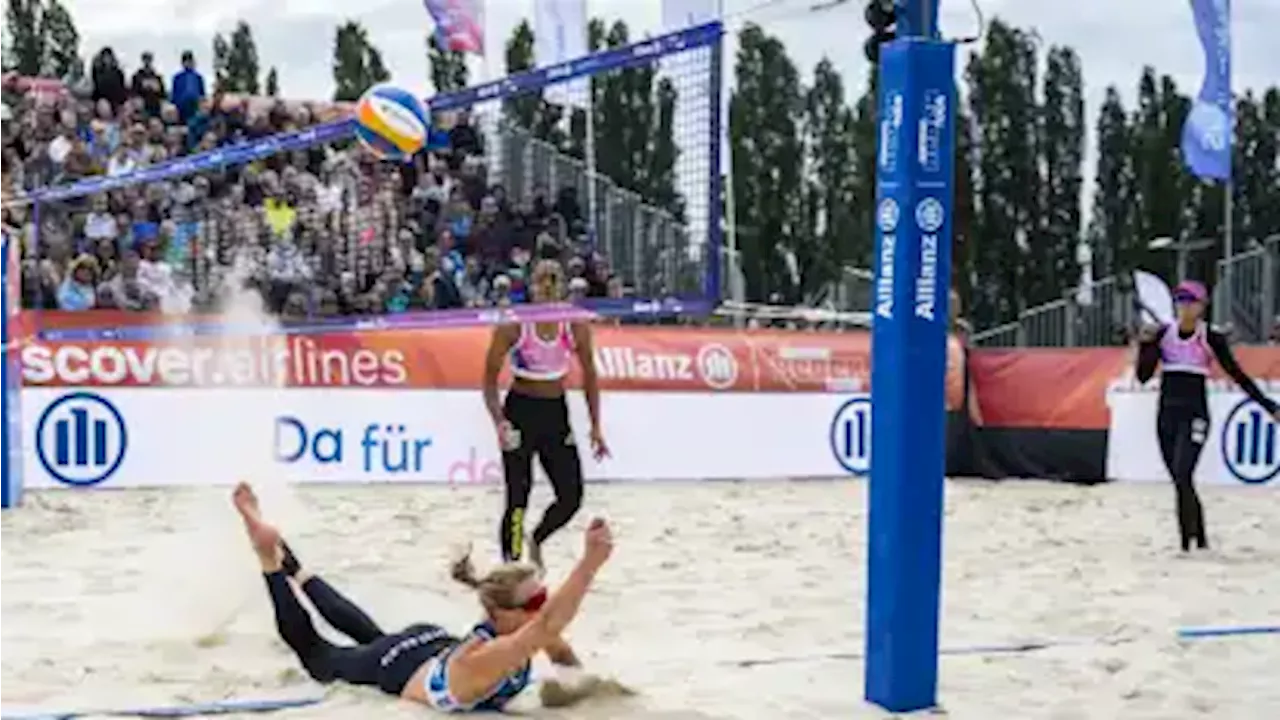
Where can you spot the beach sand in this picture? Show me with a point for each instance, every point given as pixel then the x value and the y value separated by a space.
pixel 127 598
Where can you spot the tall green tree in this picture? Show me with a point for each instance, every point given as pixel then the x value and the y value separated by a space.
pixel 61 55
pixel 863 173
pixel 541 118
pixel 1061 145
pixel 1168 202
pixel 1112 223
pixel 634 123
pixel 272 83
pixel 659 185
pixel 575 143
pixel 24 47
pixel 221 57
pixel 357 64
pixel 448 67
pixel 764 137
pixel 242 61
pixel 964 239
pixel 1001 83
pixel 831 192
pixel 1267 155
pixel 1257 171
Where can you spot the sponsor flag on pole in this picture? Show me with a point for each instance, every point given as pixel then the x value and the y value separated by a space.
pixel 1207 132
pixel 459 24
pixel 560 35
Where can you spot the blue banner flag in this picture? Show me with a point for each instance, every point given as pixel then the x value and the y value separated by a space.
pixel 1207 133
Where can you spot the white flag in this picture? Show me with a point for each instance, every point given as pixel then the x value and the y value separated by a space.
pixel 680 14
pixel 560 35
pixel 1154 297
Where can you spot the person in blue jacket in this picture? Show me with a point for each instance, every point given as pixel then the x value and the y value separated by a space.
pixel 188 87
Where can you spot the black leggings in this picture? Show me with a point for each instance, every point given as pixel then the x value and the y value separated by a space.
pixel 1182 432
pixel 388 661
pixel 543 424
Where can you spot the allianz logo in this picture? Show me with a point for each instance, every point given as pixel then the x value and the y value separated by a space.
pixel 713 365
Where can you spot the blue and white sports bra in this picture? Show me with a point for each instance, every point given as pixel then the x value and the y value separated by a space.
pixel 437 682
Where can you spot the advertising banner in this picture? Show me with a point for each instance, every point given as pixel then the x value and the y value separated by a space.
pixel 135 437
pixel 626 358
pixel 1240 447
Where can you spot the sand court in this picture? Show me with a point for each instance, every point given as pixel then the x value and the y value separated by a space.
pixel 718 603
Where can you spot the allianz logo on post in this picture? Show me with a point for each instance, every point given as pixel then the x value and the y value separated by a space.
pixel 930 217
pixel 887 215
pixel 1250 447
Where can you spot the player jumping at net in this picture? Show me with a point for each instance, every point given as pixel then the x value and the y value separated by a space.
pixel 482 671
pixel 534 417
pixel 1185 349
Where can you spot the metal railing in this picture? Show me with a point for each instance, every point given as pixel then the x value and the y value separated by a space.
pixel 1091 314
pixel 1245 297
pixel 652 250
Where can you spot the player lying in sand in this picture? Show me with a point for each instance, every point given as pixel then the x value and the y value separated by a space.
pixel 482 671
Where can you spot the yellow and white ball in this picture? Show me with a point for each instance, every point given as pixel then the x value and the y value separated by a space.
pixel 391 122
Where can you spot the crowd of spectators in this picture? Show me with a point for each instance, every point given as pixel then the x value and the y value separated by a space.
pixel 320 232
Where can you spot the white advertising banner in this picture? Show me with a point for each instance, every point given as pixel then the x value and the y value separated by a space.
pixel 1241 447
pixel 136 437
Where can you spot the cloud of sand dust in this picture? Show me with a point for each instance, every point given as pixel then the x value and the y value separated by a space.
pixel 206 573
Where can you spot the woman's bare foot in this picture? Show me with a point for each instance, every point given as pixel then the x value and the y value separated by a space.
pixel 264 537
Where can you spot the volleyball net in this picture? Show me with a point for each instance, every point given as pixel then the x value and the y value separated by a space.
pixel 628 199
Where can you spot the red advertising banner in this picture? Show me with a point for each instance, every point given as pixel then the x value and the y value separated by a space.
pixel 1066 388
pixel 626 358
pixel 1045 388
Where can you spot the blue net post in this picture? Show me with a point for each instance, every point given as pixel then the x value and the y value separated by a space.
pixel 11 399
pixel 914 197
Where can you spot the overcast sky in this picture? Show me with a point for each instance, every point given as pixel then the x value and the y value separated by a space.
pixel 1115 38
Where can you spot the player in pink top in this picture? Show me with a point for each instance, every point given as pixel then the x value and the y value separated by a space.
pixel 534 417
pixel 1185 350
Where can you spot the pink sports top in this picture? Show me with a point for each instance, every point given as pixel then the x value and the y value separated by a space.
pixel 533 358
pixel 1187 355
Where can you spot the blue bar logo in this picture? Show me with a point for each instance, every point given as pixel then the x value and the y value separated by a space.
pixel 1249 447
pixel 81 439
pixel 850 435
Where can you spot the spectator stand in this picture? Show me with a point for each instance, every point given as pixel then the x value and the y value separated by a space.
pixel 117 208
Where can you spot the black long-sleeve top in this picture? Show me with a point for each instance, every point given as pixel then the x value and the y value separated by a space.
pixel 1185 388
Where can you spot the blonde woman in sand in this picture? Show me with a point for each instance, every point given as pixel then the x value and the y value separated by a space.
pixel 481 671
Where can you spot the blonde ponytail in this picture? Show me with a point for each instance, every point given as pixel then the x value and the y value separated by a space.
pixel 464 571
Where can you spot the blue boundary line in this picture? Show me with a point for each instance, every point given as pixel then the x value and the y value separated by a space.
pixel 1186 633
pixel 1211 631
pixel 218 707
